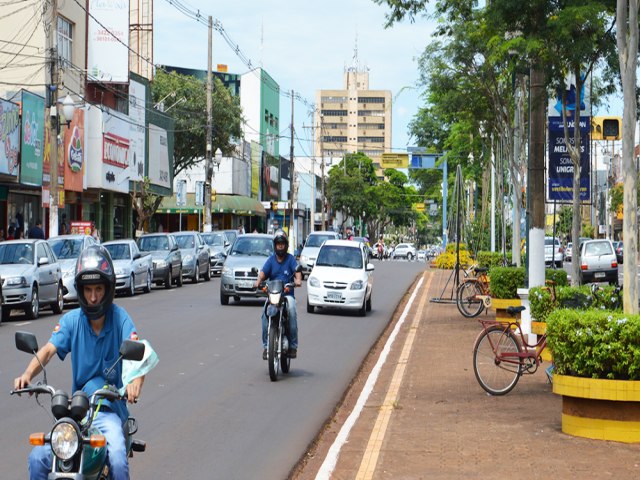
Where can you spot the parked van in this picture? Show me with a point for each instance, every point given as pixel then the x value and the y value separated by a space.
pixel 312 247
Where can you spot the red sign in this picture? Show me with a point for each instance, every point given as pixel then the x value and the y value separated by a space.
pixel 115 150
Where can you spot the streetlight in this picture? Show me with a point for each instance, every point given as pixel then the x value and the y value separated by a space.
pixel 68 109
pixel 218 158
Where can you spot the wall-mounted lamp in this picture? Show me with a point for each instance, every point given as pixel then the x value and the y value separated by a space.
pixel 218 158
pixel 68 108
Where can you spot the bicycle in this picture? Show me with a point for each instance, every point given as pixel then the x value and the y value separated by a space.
pixel 473 295
pixel 501 355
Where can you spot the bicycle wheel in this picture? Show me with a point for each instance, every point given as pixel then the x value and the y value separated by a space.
pixel 497 376
pixel 467 300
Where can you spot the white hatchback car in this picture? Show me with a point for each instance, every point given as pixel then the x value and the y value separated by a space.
pixel 342 277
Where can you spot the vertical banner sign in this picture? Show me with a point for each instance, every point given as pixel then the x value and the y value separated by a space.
pixel 199 193
pixel 46 161
pixel 108 41
pixel 9 137
pixel 32 139
pixel 181 194
pixel 158 157
pixel 74 153
pixel 137 95
pixel 560 181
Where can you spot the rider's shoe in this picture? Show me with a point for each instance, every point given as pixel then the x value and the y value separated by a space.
pixel 293 352
pixel 264 353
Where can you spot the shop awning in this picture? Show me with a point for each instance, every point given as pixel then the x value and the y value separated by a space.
pixel 234 204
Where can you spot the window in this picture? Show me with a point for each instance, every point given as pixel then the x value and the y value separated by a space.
pixel 371 139
pixel 334 113
pixel 65 40
pixel 335 139
pixel 334 99
pixel 371 100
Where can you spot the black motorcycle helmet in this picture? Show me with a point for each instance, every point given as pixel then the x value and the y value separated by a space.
pixel 95 266
pixel 280 237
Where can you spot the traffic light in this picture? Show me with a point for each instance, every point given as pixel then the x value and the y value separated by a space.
pixel 606 128
pixel 213 195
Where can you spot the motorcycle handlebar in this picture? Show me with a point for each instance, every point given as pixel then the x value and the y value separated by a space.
pixel 40 388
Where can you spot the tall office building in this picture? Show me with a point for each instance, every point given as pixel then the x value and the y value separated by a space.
pixel 354 119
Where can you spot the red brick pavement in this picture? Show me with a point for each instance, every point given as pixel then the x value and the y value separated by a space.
pixel 444 426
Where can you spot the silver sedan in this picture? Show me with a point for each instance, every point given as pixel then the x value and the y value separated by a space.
pixel 134 269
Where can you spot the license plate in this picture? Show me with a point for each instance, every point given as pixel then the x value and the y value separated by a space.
pixel 599 275
pixel 334 296
pixel 245 284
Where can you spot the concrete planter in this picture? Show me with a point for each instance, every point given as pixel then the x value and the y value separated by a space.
pixel 599 409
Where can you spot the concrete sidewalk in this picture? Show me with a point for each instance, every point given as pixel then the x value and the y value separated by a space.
pixel 427 416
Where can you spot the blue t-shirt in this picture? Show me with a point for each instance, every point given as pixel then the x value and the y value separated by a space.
pixel 284 271
pixel 94 354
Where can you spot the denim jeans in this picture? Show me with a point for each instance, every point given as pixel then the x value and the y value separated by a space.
pixel 110 426
pixel 293 323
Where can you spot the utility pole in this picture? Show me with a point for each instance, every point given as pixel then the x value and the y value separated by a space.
pixel 292 186
pixel 208 160
pixel 324 225
pixel 52 49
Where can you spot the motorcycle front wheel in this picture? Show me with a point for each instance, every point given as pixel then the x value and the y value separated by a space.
pixel 273 354
pixel 285 361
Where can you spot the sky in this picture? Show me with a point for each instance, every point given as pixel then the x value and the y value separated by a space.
pixel 305 47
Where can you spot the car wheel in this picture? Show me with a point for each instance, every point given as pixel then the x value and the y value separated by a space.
pixel 180 280
pixel 132 286
pixel 310 308
pixel 147 287
pixel 368 307
pixel 168 279
pixel 58 305
pixel 33 310
pixel 6 313
pixel 224 300
pixel 362 311
pixel 207 274
pixel 409 256
pixel 196 274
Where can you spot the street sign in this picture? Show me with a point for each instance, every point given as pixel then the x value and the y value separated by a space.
pixel 199 193
pixel 181 193
pixel 394 160
pixel 419 207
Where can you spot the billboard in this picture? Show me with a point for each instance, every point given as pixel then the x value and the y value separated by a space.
pixel 560 171
pixel 9 137
pixel 137 98
pixel 158 156
pixel 32 139
pixel 394 160
pixel 108 41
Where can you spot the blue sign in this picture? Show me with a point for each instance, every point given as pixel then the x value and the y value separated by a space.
pixel 560 182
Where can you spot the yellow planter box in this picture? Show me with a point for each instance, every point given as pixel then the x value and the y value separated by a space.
pixel 501 305
pixel 599 409
pixel 539 328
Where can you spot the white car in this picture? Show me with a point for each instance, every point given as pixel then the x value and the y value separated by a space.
pixel 312 247
pixel 404 250
pixel 342 277
pixel 553 252
pixel 67 248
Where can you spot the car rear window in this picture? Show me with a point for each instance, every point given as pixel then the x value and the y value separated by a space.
pixel 149 244
pixel 598 248
pixel 66 247
pixel 119 251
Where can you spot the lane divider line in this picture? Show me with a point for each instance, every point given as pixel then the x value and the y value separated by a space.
pixel 330 461
pixel 372 452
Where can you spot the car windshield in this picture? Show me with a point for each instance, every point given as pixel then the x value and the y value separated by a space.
pixel 184 241
pixel 215 239
pixel 66 247
pixel 16 253
pixel 339 256
pixel 317 240
pixel 252 246
pixel 119 251
pixel 231 235
pixel 149 244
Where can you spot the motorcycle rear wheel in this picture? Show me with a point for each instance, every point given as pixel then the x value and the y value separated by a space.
pixel 272 353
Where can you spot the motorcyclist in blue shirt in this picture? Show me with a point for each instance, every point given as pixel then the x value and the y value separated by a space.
pixel 93 334
pixel 282 266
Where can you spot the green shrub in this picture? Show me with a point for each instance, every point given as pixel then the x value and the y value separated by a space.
pixel 577 298
pixel 505 281
pixel 557 275
pixel 595 344
pixel 491 259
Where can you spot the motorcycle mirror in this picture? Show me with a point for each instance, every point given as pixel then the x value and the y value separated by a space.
pixel 26 342
pixel 132 350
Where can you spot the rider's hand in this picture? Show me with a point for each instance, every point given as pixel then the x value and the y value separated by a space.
pixel 257 284
pixel 134 389
pixel 297 282
pixel 22 381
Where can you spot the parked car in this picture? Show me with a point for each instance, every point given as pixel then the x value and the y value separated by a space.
pixel 134 269
pixel 553 252
pixel 568 252
pixel 230 235
pixel 619 249
pixel 218 244
pixel 598 262
pixel 166 257
pixel 31 277
pixel 240 270
pixel 312 247
pixel 404 250
pixel 366 243
pixel 195 256
pixel 342 277
pixel 67 249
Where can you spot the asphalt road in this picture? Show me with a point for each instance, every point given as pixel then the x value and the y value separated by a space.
pixel 209 410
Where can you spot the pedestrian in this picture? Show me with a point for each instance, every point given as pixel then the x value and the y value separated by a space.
pixel 64 230
pixel 36 231
pixel 11 234
pixel 241 229
pixel 2 239
pixel 95 233
pixel 19 233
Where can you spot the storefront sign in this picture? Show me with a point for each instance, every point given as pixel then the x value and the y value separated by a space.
pixel 74 153
pixel 9 137
pixel 81 228
pixel 32 139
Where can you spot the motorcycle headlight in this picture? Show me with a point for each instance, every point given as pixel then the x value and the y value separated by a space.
pixel 274 298
pixel 65 440
pixel 357 285
pixel 16 282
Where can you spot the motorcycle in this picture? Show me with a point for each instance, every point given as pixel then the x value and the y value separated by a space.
pixel 79 449
pixel 278 326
